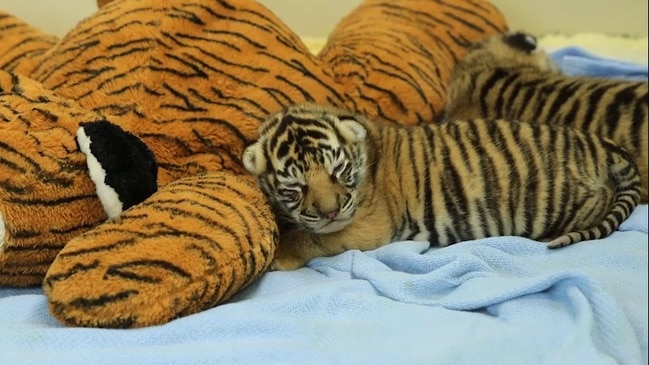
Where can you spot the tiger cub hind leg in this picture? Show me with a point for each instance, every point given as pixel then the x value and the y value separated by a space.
pixel 624 173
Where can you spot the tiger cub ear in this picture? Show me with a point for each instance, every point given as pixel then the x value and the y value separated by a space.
pixel 253 159
pixel 521 41
pixel 352 130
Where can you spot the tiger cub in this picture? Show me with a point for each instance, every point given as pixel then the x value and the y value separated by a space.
pixel 345 182
pixel 506 76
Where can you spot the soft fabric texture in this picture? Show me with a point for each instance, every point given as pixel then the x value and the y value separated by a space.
pixel 576 61
pixel 612 46
pixel 503 300
pixel 120 165
pixel 192 80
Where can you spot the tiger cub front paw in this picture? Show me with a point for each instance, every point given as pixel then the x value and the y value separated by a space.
pixel 286 263
pixel 295 249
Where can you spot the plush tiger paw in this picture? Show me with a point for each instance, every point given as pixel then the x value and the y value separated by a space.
pixel 122 167
pixel 168 257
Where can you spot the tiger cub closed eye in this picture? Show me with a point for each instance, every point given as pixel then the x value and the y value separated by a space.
pixel 345 182
pixel 507 76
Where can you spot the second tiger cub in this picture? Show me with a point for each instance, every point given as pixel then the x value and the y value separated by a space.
pixel 506 76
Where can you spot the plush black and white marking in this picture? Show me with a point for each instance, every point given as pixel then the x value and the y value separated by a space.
pixel 122 167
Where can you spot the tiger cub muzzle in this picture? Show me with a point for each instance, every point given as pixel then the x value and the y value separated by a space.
pixel 327 206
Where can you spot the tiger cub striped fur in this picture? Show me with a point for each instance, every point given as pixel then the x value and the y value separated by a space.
pixel 506 76
pixel 345 182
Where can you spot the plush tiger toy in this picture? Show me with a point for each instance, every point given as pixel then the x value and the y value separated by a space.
pixel 192 80
pixel 506 76
pixel 345 182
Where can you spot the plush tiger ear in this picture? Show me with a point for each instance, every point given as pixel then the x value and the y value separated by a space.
pixel 253 159
pixel 352 130
pixel 121 165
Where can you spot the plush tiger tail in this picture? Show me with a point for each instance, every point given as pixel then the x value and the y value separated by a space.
pixel 624 174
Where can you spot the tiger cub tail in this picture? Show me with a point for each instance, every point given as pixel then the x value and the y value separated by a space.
pixel 624 175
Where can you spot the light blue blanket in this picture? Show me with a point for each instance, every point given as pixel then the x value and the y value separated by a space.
pixel 576 61
pixel 503 300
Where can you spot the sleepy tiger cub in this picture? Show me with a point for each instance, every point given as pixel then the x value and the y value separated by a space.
pixel 345 182
pixel 506 76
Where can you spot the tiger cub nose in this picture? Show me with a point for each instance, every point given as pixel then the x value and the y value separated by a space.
pixel 330 214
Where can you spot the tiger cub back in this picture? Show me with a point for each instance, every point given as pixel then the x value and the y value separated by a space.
pixel 345 182
pixel 506 76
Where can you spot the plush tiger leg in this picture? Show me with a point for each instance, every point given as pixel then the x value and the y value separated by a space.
pixel 102 3
pixel 167 257
pixel 364 55
pixel 46 196
pixel 21 45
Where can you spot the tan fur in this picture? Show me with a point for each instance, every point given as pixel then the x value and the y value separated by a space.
pixel 497 80
pixel 327 196
pixel 443 183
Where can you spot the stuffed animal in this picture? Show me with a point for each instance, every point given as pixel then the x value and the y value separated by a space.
pixel 121 186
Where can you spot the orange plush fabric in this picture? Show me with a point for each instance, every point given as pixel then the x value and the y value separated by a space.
pixel 193 80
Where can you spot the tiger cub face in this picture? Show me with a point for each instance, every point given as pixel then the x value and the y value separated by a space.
pixel 310 161
pixel 513 49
